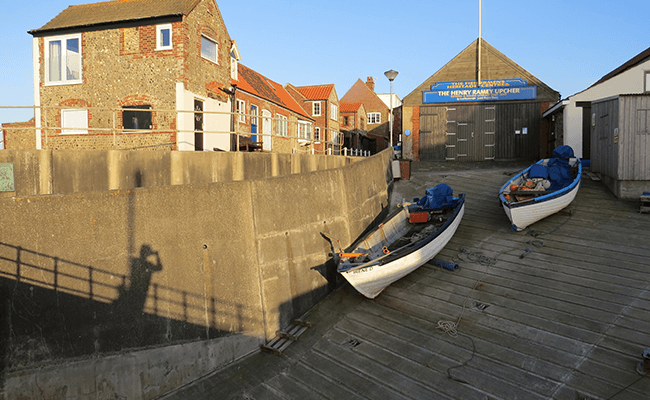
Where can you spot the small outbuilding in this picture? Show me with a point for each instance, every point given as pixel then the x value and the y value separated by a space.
pixel 620 143
pixel 480 106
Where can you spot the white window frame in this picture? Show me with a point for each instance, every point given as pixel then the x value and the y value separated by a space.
pixel 159 37
pixel 282 123
pixel 74 121
pixel 64 61
pixel 646 80
pixel 374 118
pixel 241 109
pixel 317 134
pixel 216 49
pixel 334 112
pixel 304 131
pixel 315 109
pixel 234 68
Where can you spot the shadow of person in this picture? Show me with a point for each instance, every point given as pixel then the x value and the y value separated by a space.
pixel 132 297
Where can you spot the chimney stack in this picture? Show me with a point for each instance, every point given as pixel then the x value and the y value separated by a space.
pixel 370 82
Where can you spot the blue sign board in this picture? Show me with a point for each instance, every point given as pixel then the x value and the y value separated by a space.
pixel 490 83
pixel 489 90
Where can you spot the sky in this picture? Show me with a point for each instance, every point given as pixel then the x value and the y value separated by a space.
pixel 567 44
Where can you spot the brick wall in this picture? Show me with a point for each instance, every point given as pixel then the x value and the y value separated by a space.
pixel 19 135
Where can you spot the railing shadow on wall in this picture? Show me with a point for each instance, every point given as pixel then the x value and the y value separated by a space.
pixel 54 308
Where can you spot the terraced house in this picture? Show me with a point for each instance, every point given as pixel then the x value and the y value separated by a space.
pixel 268 118
pixel 322 102
pixel 377 114
pixel 134 74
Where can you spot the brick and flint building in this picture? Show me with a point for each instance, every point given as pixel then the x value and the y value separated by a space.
pixel 134 74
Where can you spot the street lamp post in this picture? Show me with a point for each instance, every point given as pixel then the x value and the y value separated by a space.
pixel 391 76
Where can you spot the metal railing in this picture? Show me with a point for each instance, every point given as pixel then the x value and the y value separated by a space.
pixel 277 133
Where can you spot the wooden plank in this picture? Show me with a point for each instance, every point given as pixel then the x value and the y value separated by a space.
pixel 393 379
pixel 262 392
pixel 339 370
pixel 443 353
pixel 320 383
pixel 290 388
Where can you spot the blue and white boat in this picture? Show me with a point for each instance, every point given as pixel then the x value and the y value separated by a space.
pixel 407 239
pixel 542 189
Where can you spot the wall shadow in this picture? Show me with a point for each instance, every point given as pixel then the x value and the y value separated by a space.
pixel 50 313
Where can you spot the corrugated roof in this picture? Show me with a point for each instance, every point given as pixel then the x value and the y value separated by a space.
pixel 257 84
pixel 116 11
pixel 316 92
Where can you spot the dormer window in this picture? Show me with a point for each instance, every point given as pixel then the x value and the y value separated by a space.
pixel 234 73
pixel 164 37
pixel 63 59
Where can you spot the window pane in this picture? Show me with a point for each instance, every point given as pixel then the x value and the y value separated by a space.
pixel 73 59
pixel 54 72
pixel 134 119
pixel 164 38
pixel 208 49
pixel 74 122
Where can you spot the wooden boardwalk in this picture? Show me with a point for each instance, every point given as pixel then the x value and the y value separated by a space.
pixel 559 311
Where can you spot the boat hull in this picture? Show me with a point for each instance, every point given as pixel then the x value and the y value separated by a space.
pixel 523 216
pixel 373 279
pixel 526 213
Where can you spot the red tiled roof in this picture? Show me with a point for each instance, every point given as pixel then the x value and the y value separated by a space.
pixel 257 84
pixel 350 106
pixel 116 11
pixel 316 92
pixel 360 92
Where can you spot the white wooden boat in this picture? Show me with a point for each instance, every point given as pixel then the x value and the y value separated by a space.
pixel 407 239
pixel 534 194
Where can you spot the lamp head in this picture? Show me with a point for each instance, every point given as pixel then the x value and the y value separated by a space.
pixel 391 74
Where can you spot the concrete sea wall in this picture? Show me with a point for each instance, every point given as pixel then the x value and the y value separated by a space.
pixel 126 275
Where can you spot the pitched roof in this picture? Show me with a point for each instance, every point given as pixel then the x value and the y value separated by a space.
pixel 316 92
pixel 350 106
pixel 496 65
pixel 362 93
pixel 116 11
pixel 257 84
pixel 633 62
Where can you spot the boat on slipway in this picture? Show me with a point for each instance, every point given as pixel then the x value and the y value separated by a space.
pixel 542 189
pixel 408 238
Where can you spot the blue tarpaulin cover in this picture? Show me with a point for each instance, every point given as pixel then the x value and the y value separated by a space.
pixel 559 171
pixel 440 196
pixel 538 171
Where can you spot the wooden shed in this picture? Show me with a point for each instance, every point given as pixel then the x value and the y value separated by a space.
pixel 479 106
pixel 620 143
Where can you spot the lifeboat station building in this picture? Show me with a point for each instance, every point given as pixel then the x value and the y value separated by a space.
pixel 480 106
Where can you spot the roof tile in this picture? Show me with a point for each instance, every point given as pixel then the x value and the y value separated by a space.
pixel 255 83
pixel 316 92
